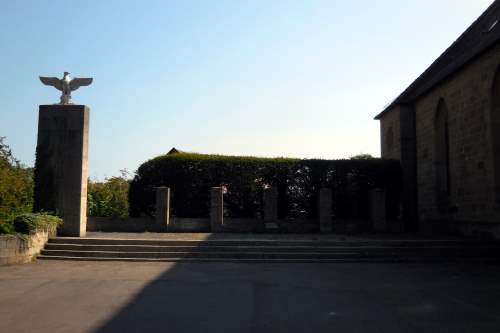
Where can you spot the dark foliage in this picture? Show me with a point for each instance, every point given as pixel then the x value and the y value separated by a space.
pixel 190 177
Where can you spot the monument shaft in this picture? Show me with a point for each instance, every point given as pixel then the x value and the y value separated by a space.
pixel 61 165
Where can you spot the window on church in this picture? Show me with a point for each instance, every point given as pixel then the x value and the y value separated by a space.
pixel 442 156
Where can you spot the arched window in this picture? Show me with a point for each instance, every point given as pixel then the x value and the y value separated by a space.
pixel 442 156
pixel 495 131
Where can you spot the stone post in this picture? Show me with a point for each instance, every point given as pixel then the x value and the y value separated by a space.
pixel 325 210
pixel 270 201
pixel 61 173
pixel 377 209
pixel 270 204
pixel 216 209
pixel 163 208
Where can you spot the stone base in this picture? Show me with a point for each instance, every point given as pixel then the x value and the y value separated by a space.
pixel 217 209
pixel 271 226
pixel 16 250
pixel 377 210
pixel 61 165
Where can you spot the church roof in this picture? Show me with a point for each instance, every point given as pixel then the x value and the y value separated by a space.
pixel 478 38
pixel 178 151
pixel 174 151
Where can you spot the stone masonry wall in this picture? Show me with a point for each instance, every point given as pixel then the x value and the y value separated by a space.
pixel 467 95
pixel 16 250
pixel 390 122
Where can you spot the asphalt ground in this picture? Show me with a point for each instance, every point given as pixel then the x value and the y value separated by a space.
pixel 71 296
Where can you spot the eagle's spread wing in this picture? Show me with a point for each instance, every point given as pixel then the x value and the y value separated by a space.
pixel 52 81
pixel 79 82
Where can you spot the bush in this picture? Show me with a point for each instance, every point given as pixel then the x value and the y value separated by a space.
pixel 30 223
pixel 362 156
pixel 108 198
pixel 6 227
pixel 16 188
pixel 190 177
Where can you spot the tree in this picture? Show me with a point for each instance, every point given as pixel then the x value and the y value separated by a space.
pixel 108 198
pixel 16 187
pixel 362 156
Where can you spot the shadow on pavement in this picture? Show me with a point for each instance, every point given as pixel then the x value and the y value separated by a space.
pixel 229 297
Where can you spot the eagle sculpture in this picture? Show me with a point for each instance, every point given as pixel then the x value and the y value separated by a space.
pixel 66 85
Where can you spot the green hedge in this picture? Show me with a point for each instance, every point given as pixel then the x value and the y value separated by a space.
pixel 32 222
pixel 190 177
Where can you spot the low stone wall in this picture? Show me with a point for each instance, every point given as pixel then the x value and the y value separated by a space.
pixel 110 224
pixel 485 230
pixel 142 224
pixel 17 250
pixel 298 226
pixel 232 224
pixel 182 224
pixel 176 224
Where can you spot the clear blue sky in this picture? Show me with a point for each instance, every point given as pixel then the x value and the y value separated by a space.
pixel 266 78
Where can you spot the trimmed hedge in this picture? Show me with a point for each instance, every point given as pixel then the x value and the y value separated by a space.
pixel 190 177
pixel 32 222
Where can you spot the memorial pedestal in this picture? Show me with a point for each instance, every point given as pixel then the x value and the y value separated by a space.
pixel 162 215
pixel 61 165
pixel 216 209
pixel 325 210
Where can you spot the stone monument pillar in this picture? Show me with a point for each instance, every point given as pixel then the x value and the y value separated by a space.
pixel 325 210
pixel 377 209
pixel 270 200
pixel 61 165
pixel 270 204
pixel 163 208
pixel 216 209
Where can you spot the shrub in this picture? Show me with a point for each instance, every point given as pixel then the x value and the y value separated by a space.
pixel 32 222
pixel 6 227
pixel 16 188
pixel 362 156
pixel 108 198
pixel 190 177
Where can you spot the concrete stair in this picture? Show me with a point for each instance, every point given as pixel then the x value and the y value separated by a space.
pixel 376 251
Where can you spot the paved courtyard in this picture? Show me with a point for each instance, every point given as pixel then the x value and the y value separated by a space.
pixel 65 296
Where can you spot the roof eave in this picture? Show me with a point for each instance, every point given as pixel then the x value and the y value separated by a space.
pixel 387 109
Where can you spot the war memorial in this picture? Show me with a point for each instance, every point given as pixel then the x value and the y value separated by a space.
pixel 408 242
pixel 181 193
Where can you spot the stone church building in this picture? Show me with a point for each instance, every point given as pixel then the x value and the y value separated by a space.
pixel 445 130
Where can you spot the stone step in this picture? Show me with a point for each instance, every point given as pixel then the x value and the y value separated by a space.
pixel 271 249
pixel 66 248
pixel 315 243
pixel 244 255
pixel 261 255
pixel 282 260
